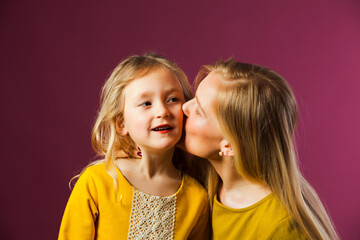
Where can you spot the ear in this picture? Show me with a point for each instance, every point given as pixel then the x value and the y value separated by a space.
pixel 226 148
pixel 121 128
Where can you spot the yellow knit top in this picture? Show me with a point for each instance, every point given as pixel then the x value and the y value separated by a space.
pixel 94 212
pixel 266 219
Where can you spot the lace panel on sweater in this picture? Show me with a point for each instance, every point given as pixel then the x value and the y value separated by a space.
pixel 152 217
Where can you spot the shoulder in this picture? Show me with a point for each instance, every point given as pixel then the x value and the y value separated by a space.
pixel 285 228
pixel 96 168
pixel 194 199
pixel 281 224
pixel 94 173
pixel 193 187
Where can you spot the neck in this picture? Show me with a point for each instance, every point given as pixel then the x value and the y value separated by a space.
pixel 156 163
pixel 227 172
pixel 235 190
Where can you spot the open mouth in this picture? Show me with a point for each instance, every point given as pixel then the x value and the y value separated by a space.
pixel 162 128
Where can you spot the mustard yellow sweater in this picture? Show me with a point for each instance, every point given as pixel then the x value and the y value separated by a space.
pixel 266 219
pixel 94 212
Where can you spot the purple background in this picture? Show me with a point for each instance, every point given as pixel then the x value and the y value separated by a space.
pixel 55 56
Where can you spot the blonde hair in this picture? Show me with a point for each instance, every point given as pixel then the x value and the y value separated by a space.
pixel 257 113
pixel 105 140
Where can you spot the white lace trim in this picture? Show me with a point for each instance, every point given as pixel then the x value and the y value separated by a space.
pixel 152 217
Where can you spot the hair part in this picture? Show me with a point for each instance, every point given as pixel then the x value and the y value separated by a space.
pixel 257 114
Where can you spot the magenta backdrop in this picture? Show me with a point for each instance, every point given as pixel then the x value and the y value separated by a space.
pixel 55 56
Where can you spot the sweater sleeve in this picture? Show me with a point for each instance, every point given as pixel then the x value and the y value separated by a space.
pixel 285 229
pixel 202 228
pixel 81 210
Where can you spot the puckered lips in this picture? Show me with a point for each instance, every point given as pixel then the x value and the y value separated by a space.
pixel 163 128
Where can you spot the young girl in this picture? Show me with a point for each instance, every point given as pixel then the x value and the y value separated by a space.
pixel 243 121
pixel 138 198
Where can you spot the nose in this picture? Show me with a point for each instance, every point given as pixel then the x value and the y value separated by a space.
pixel 186 108
pixel 162 111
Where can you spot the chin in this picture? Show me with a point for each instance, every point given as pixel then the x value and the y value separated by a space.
pixel 188 147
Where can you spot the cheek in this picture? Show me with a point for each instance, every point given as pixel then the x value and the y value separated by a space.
pixel 135 120
pixel 179 115
pixel 201 131
pixel 196 127
pixel 200 139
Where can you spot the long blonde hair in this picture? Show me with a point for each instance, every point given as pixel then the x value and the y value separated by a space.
pixel 257 113
pixel 105 140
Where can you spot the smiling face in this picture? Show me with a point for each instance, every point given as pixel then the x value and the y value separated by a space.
pixel 152 111
pixel 203 137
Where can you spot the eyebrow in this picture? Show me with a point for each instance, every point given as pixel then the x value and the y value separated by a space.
pixel 146 94
pixel 201 108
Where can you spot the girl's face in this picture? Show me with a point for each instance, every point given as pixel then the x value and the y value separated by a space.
pixel 153 115
pixel 202 133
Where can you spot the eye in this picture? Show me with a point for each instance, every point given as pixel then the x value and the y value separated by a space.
pixel 145 104
pixel 173 99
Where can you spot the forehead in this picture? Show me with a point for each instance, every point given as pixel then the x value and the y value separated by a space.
pixel 158 79
pixel 209 84
pixel 206 92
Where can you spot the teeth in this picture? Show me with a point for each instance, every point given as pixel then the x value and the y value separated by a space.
pixel 161 128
